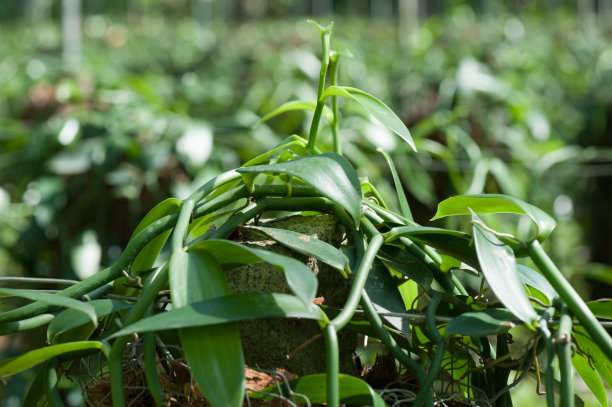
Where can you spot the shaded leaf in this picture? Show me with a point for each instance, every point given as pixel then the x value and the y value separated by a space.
pixel 229 308
pixel 330 174
pixel 214 353
pixel 53 299
pixel 492 321
pixel 307 245
pixel 405 263
pixel 70 319
pixel 32 358
pixel 451 242
pixel 385 296
pixel 380 111
pixel 496 203
pixel 498 265
pixel 353 391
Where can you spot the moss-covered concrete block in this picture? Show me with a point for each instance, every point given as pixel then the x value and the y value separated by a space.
pixel 268 342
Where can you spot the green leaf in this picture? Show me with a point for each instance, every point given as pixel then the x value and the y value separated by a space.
pixel 147 256
pixel 451 242
pixel 498 265
pixel 53 299
pixel 300 278
pixel 492 321
pixel 536 280
pixel 385 296
pixel 402 261
pixel 590 378
pixel 601 362
pixel 23 362
pixel 297 105
pixel 214 353
pixel 71 319
pixel 307 245
pixel 374 107
pixel 353 391
pixel 330 174
pixel 399 189
pixel 601 308
pixel 238 307
pixel 496 203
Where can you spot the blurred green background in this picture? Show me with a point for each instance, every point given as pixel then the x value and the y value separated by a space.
pixel 107 107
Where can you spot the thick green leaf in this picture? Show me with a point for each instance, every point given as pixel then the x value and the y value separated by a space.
pixel 70 319
pixel 214 353
pixel 590 378
pixel 300 278
pixel 297 105
pixel 353 391
pixel 385 296
pixel 402 261
pixel 29 359
pixel 498 265
pixel 147 256
pixel 492 321
pixel 230 308
pixel 374 107
pixel 601 308
pixel 536 280
pixel 307 245
pixel 53 299
pixel 496 203
pixel 399 189
pixel 454 243
pixel 598 358
pixel 330 174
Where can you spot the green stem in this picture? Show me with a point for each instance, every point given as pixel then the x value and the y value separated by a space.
pixel 425 396
pixel 333 81
pixel 386 338
pixel 188 205
pixel 155 283
pixel 25 324
pixel 549 380
pixel 358 283
pixel 316 119
pixel 333 366
pixel 570 297
pixel 150 365
pixel 54 397
pixel 563 343
pixel 501 374
pixel 438 275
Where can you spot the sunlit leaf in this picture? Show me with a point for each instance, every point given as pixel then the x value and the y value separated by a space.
pixel 53 299
pixel 330 174
pixel 491 321
pixel 300 278
pixel 238 307
pixel 214 353
pixel 590 378
pixel 498 265
pixel 601 308
pixel 597 357
pixel 496 203
pixel 70 319
pixel 376 108
pixel 32 358
pixel 536 280
pixel 297 105
pixel 307 245
pixel 353 391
